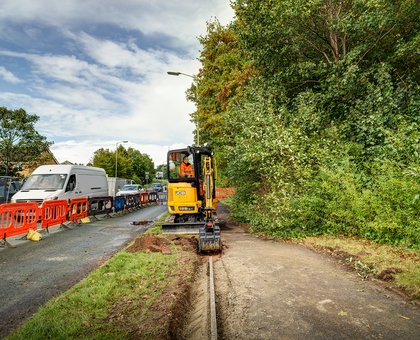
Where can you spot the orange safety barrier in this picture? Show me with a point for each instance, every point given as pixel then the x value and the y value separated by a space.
pixel 53 213
pixel 144 198
pixel 17 218
pixel 225 192
pixel 78 209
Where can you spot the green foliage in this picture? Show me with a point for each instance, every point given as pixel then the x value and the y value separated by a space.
pixel 140 164
pixel 324 137
pixel 110 303
pixel 103 158
pixel 225 72
pixel 131 163
pixel 19 140
pixel 162 168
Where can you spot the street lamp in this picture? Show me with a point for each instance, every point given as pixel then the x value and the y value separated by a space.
pixel 171 73
pixel 116 157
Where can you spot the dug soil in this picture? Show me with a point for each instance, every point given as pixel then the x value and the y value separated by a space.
pixel 166 317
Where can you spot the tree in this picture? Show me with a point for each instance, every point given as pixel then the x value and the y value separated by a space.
pixel 19 140
pixel 105 159
pixel 324 134
pixel 131 163
pixel 225 72
pixel 140 164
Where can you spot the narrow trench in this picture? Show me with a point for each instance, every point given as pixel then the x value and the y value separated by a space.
pixel 196 321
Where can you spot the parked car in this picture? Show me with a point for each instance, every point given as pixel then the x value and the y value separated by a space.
pixel 130 189
pixel 157 187
pixel 8 187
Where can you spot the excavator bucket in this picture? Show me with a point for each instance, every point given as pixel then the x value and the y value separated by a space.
pixel 209 239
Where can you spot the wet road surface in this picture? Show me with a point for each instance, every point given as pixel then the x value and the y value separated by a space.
pixel 34 272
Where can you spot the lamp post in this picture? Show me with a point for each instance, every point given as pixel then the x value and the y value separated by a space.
pixel 197 127
pixel 116 158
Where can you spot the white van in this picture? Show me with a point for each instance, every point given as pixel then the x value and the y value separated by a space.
pixel 52 182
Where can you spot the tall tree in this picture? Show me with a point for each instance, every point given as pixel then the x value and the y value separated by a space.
pixel 140 164
pixel 105 159
pixel 131 163
pixel 225 72
pixel 19 140
pixel 325 135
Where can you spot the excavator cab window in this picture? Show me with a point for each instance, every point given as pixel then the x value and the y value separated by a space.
pixel 181 165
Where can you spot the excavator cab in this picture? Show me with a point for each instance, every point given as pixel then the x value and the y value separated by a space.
pixel 192 199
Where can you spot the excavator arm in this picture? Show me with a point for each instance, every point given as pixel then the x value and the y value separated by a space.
pixel 209 233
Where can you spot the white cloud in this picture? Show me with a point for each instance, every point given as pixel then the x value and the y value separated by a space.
pixel 110 53
pixel 93 100
pixel 108 90
pixel 183 20
pixel 81 152
pixel 8 76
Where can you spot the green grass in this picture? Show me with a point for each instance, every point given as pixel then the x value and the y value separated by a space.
pixel 370 258
pixel 114 301
pixel 156 229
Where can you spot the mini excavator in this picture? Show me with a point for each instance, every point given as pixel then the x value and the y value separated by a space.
pixel 192 202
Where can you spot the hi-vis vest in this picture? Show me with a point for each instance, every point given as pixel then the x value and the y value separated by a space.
pixel 186 170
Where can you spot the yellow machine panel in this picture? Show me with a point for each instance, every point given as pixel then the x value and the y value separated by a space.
pixel 182 199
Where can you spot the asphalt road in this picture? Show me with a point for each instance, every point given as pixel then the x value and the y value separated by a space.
pixel 34 272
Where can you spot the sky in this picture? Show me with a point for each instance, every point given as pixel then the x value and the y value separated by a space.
pixel 95 71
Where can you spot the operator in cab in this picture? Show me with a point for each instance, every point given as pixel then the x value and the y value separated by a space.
pixel 186 168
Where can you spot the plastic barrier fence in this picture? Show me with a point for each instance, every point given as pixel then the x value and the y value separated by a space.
pixel 153 196
pixel 225 192
pixel 78 209
pixel 144 198
pixel 53 213
pixel 119 203
pixel 131 202
pixel 163 196
pixel 17 218
pixel 136 199
pixel 100 205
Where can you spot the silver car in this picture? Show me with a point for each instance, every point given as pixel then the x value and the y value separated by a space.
pixel 130 189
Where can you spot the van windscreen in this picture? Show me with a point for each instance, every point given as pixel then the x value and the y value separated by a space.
pixel 45 182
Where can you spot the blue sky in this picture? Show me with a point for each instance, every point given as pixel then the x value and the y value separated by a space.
pixel 94 71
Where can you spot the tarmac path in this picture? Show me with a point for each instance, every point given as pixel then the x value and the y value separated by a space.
pixel 276 290
pixel 34 272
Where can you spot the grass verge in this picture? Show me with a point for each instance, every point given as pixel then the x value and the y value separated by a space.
pixel 399 267
pixel 133 295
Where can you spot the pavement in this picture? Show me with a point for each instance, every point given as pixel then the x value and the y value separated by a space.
pixel 276 290
pixel 34 272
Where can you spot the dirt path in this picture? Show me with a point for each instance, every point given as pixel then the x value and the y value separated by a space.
pixel 274 290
